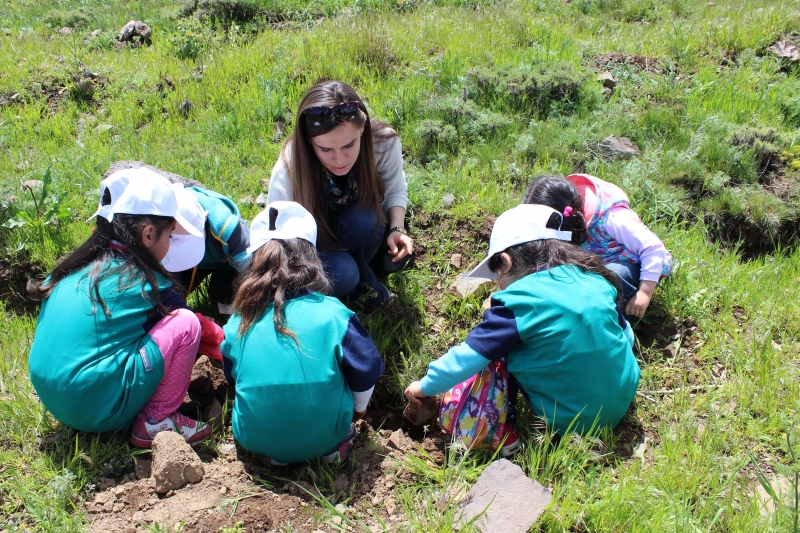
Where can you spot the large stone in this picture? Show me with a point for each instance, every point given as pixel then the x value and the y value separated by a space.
pixel 175 463
pixel 135 29
pixel 421 414
pixel 616 147
pixel 465 286
pixel 201 375
pixel 174 178
pixel 512 502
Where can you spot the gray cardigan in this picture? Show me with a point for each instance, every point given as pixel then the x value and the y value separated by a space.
pixel 388 160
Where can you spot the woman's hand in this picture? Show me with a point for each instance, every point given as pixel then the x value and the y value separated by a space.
pixel 414 392
pixel 358 415
pixel 400 245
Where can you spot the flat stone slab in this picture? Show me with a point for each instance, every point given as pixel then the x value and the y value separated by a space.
pixel 512 501
pixel 616 147
pixel 465 286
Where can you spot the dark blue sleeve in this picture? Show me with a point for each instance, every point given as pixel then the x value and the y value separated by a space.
pixel 171 300
pixel 497 334
pixel 361 363
pixel 226 368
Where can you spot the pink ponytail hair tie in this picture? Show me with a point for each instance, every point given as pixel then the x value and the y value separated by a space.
pixel 568 211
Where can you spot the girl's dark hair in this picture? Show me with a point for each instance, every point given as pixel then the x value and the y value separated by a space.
pixel 139 264
pixel 278 269
pixel 558 193
pixel 306 172
pixel 533 256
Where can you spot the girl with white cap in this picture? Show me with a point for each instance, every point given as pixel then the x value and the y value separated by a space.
pixel 553 325
pixel 303 365
pixel 115 343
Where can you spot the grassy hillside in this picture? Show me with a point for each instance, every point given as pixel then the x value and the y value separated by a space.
pixel 485 96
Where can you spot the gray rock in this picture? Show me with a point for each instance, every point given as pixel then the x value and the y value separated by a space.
pixel 616 147
pixel 65 31
pixel 456 260
pixel 101 128
pixel 95 33
pixel 174 178
pixel 465 286
pixel 185 108
pixel 32 185
pixel 261 200
pixel 175 463
pixel 135 28
pixel 512 501
pixel 448 200
pixel 607 80
pixel 396 440
pixel 247 200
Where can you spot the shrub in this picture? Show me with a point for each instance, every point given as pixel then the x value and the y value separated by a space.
pixel 222 12
pixel 434 136
pixel 59 18
pixel 540 90
pixel 470 120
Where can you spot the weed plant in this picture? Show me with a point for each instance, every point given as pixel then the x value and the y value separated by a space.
pixel 485 96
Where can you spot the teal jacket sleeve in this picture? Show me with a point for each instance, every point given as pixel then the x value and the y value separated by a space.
pixel 458 364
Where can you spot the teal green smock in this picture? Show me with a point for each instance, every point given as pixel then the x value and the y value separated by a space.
pixel 95 372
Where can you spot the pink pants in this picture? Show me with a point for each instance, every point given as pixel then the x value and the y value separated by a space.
pixel 177 336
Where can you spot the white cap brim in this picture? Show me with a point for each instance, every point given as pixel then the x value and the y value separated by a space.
pixel 188 228
pixel 185 252
pixel 482 270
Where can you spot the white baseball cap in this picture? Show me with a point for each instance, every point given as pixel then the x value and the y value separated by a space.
pixel 282 220
pixel 139 191
pixel 187 250
pixel 524 223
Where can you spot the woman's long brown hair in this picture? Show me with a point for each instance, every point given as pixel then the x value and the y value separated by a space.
pixel 278 269
pixel 139 264
pixel 307 174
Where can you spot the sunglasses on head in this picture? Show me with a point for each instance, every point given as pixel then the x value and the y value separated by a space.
pixel 320 115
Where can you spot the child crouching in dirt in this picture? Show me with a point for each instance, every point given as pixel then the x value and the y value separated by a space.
pixel 606 226
pixel 115 343
pixel 303 366
pixel 553 327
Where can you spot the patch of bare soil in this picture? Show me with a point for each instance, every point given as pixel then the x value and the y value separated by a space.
pixel 233 488
pixel 13 280
pixel 649 64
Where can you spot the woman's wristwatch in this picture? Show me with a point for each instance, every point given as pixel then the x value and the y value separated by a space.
pixel 401 229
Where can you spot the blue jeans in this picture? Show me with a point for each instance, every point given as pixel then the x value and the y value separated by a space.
pixel 628 274
pixel 361 234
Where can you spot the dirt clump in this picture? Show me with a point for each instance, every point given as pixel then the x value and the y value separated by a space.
pixel 174 462
pixel 13 282
pixel 422 414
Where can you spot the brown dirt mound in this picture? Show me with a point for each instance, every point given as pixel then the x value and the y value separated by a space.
pixel 649 64
pixel 233 490
pixel 13 279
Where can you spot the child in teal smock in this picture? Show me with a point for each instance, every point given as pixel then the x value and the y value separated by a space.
pixel 303 366
pixel 115 343
pixel 555 324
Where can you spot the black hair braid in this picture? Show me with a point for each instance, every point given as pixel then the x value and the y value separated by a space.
pixel 558 193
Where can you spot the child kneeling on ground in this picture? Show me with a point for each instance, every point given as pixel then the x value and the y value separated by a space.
pixel 115 342
pixel 303 366
pixel 553 329
pixel 605 225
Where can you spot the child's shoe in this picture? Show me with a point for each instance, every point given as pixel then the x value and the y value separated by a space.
pixel 342 450
pixel 144 430
pixel 511 444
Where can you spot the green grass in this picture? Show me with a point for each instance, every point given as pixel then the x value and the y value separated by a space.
pixel 444 74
